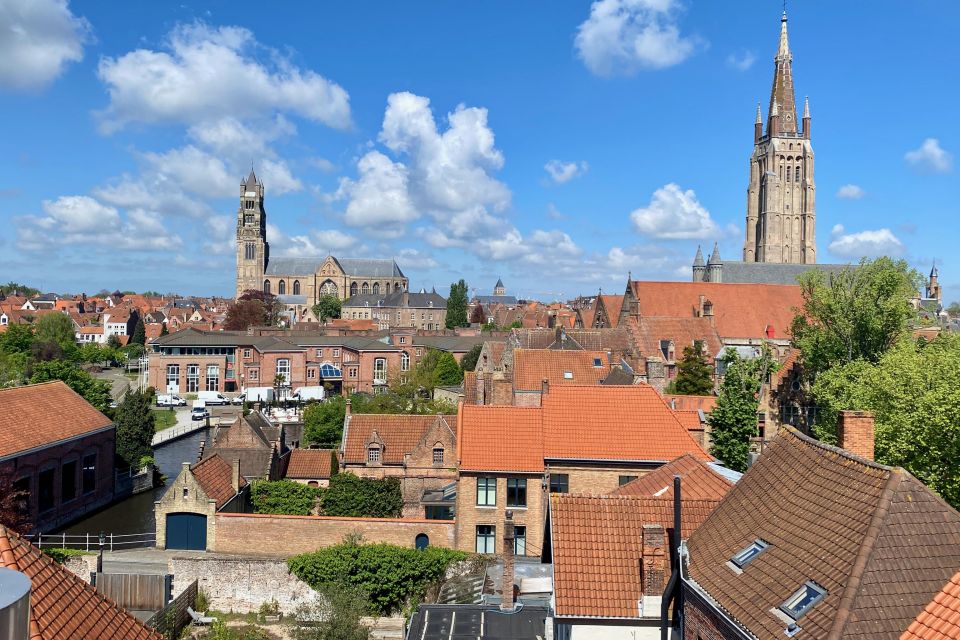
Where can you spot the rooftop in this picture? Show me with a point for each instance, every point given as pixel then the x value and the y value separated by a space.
pixel 310 464
pixel 699 481
pixel 399 434
pixel 215 477
pixel 532 366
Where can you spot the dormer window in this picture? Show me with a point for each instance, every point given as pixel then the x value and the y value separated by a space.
pixel 373 454
pixel 597 362
pixel 743 557
pixel 568 375
pixel 438 455
pixel 803 599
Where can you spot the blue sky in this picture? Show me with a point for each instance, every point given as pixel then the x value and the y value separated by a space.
pixel 558 145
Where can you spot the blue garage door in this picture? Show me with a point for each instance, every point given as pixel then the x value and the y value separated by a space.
pixel 187 531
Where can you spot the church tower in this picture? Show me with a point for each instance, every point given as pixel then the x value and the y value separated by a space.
pixel 781 207
pixel 253 251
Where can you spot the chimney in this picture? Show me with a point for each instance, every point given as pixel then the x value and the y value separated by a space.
pixel 855 433
pixel 653 578
pixel 235 476
pixel 346 410
pixel 545 386
pixel 506 600
pixel 771 332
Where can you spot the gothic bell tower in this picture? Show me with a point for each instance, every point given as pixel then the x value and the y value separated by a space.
pixel 253 251
pixel 781 204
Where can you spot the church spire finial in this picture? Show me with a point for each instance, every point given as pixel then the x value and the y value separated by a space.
pixel 784 49
pixel 759 119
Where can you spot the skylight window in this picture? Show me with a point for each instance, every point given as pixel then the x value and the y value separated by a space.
pixel 803 599
pixel 744 556
pixel 568 375
pixel 597 362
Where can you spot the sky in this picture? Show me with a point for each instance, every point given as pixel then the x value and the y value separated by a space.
pixel 559 145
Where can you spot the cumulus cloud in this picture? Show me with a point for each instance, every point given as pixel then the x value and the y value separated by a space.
pixel 39 39
pixel 624 36
pixel 850 192
pixel 415 259
pixel 379 198
pixel 931 157
pixel 334 240
pixel 561 172
pixel 870 243
pixel 553 213
pixel 193 170
pixel 674 214
pixel 741 61
pixel 207 73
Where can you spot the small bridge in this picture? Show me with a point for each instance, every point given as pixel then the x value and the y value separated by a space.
pixel 183 430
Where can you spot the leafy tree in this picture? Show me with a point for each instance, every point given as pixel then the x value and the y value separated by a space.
pixel 352 496
pixel 327 307
pixel 477 315
pixel 446 372
pixel 56 328
pixel 244 314
pixel 139 333
pixel 270 302
pixel 12 288
pixel 694 375
pixel 337 612
pixel 457 305
pixel 323 422
pixel 163 329
pixel 114 342
pixel 733 421
pixel 135 428
pixel 18 338
pixel 14 505
pixel 96 392
pixel 856 314
pixel 469 360
pixel 283 497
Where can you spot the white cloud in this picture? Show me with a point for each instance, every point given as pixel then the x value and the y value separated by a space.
pixel 323 165
pixel 742 61
pixel 333 240
pixel 624 36
pixel 870 243
pixel 38 38
pixel 930 157
pixel 209 73
pixel 415 259
pixel 850 192
pixel 380 197
pixel 675 214
pixel 553 213
pixel 561 172
pixel 193 170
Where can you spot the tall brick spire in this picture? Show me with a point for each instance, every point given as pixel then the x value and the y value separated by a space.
pixel 782 93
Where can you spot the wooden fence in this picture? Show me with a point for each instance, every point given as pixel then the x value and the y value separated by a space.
pixel 171 620
pixel 134 591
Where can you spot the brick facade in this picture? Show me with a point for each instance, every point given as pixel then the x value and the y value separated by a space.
pixel 855 433
pixel 469 514
pixel 596 480
pixel 702 622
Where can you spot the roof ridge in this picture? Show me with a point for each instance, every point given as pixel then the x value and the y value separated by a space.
pixel 33 384
pixel 787 430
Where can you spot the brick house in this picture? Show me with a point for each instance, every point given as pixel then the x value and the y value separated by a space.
pixel 256 444
pixel 587 440
pixel 817 541
pixel 421 310
pixel 58 448
pixel 312 467
pixel 419 450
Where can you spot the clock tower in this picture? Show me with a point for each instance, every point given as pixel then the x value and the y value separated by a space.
pixel 253 251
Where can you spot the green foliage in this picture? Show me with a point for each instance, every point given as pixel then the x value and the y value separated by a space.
pixel 139 333
pixel 96 392
pixel 694 375
pixel 202 603
pixel 12 288
pixel 335 616
pixel 469 360
pixel 323 422
pixel 457 305
pixel 114 342
pixel 164 418
pixel 220 631
pixel 60 555
pixel 93 353
pixel 283 497
pixel 390 575
pixel 352 496
pixel 856 314
pixel 18 338
pixel 516 324
pixel 56 328
pixel 163 330
pixel 953 310
pixel 135 429
pixel 146 461
pixel 733 420
pixel 490 326
pixel 327 307
pixel 270 608
pixel 446 372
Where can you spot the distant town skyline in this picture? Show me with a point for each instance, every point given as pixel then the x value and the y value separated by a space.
pixel 556 149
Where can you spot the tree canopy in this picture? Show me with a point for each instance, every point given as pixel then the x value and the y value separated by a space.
pixel 56 328
pixel 283 497
pixel 694 373
pixel 327 307
pixel 243 314
pixel 12 288
pixel 457 305
pixel 447 371
pixel 96 392
pixel 135 428
pixel 469 360
pixel 139 333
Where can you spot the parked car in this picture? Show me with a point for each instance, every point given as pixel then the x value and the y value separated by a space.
pixel 239 398
pixel 199 411
pixel 305 394
pixel 212 398
pixel 170 400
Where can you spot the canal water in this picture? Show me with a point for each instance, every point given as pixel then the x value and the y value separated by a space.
pixel 135 514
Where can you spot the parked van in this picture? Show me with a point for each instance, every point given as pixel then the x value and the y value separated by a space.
pixel 170 401
pixel 212 397
pixel 258 394
pixel 199 411
pixel 306 394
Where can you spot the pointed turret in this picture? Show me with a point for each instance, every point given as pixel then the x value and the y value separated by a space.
pixel 782 94
pixel 933 271
pixel 757 126
pixel 806 118
pixel 715 265
pixel 715 256
pixel 699 268
pixel 698 259
pixel 251 180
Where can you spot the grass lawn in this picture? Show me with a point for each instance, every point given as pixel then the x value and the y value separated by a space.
pixel 164 418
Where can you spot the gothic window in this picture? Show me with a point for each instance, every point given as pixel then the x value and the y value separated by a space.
pixel 353 289
pixel 797 178
pixel 248 204
pixel 386 288
pixel 328 288
pixel 296 287
pixel 249 251
pixel 376 288
pixel 266 286
pixel 365 289
pixel 248 219
pixel 404 361
pixel 282 287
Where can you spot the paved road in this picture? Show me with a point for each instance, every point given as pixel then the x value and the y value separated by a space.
pixel 119 383
pixel 142 561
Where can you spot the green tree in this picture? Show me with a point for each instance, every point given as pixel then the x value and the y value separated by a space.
pixel 953 310
pixel 446 372
pixel 18 338
pixel 12 288
pixel 135 428
pixel 163 329
pixel 694 375
pixel 457 305
pixel 114 342
pixel 469 360
pixel 323 422
pixel 327 307
pixel 733 421
pixel 283 497
pixel 56 328
pixel 335 615
pixel 139 333
pixel 352 496
pixel 96 392
pixel 856 314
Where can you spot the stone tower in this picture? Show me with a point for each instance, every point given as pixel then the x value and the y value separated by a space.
pixel 499 289
pixel 253 251
pixel 781 207
pixel 933 286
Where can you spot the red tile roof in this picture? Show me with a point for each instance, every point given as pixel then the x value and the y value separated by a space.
pixel 596 544
pixel 215 477
pixel 649 331
pixel 39 415
pixel 532 366
pixel 400 434
pixel 500 438
pixel 310 464
pixel 690 403
pixel 940 620
pixel 698 481
pixel 62 606
pixel 790 361
pixel 690 420
pixel 612 305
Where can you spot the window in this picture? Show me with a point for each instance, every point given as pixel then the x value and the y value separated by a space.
pixel 254 374
pixel 404 362
pixel 597 362
pixel 419 352
pixel 68 481
pixel 213 377
pixel 249 251
pixel 21 488
pixel 568 375
pixel 434 512
pixel 282 287
pixel 373 453
pixel 247 353
pixel 559 483
pixel 486 492
pixel 622 480
pixel 486 538
pixel 438 455
pixel 376 288
pixel 380 370
pixel 353 289
pixel 45 499
pixel 283 370
pixel 336 353
pixel 803 599
pixel 744 556
pixel 520 541
pixel 516 492
pixel 193 378
pixel 186 492
pixel 365 289
pixel 248 204
pixel 173 376
pixel 319 353
pixel 421 542
pixel 797 175
pixel 403 339
pixel 353 372
pixel 266 286
pixel 311 373
pixel 296 287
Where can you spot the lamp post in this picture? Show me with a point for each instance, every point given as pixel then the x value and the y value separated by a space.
pixel 102 539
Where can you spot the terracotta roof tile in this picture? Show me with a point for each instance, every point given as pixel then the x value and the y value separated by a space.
pixel 789 362
pixel 39 415
pixel 690 403
pixel 532 366
pixel 596 543
pixel 648 332
pixel 940 620
pixel 612 305
pixel 309 464
pixel 500 438
pixel 215 477
pixel 690 420
pixel 399 434
pixel 62 606
pixel 699 481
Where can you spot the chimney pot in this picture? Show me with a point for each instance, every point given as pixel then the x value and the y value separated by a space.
pixel 545 386
pixel 855 433
pixel 235 476
pixel 654 569
pixel 347 409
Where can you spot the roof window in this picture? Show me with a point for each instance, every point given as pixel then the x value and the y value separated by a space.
pixel 803 599
pixel 568 375
pixel 744 556
pixel 597 362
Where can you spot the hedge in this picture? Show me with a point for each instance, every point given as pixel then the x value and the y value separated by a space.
pixel 60 555
pixel 283 497
pixel 353 496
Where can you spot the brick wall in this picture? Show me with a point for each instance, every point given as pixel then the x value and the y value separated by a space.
pixel 855 433
pixel 596 481
pixel 700 622
pixel 469 515
pixel 255 534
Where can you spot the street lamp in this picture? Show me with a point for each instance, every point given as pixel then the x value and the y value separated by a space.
pixel 100 556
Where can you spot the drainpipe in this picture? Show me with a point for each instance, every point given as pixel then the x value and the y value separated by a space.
pixel 674 590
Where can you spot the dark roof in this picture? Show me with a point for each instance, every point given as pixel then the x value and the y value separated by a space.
pixel 483 622
pixel 499 284
pixel 508 300
pixel 771 272
pixel 356 268
pixel 698 259
pixel 398 299
pixel 453 344
pixel 251 179
pixel 618 376
pixel 191 337
pixel 879 541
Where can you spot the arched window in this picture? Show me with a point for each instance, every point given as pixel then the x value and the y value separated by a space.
pixel 798 174
pixel 296 287
pixel 282 287
pixel 266 286
pixel 386 288
pixel 422 541
pixel 353 289
pixel 250 251
pixel 376 288
pixel 404 361
pixel 328 288
pixel 365 289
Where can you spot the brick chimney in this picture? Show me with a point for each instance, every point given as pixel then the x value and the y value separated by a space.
pixel 545 386
pixel 506 600
pixel 235 476
pixel 346 410
pixel 855 433
pixel 653 578
pixel 771 332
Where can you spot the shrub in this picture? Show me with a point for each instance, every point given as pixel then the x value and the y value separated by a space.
pixel 283 497
pixel 60 555
pixel 350 495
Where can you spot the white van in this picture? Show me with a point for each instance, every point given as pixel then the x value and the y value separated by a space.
pixel 199 411
pixel 212 397
pixel 171 400
pixel 257 394
pixel 305 394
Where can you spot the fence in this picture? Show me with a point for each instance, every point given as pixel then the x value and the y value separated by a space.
pixel 88 542
pixel 134 591
pixel 170 620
